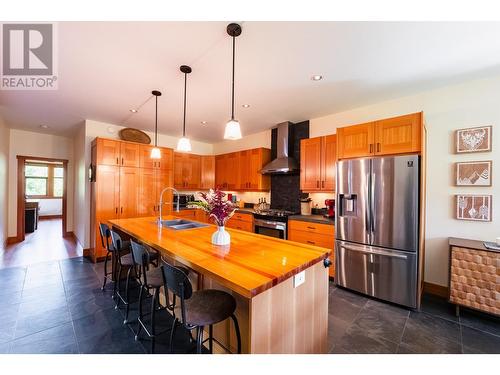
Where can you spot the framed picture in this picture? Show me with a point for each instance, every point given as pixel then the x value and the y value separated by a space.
pixel 473 140
pixel 473 173
pixel 473 207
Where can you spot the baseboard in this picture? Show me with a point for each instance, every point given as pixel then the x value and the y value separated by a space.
pixel 49 217
pixel 11 240
pixel 436 290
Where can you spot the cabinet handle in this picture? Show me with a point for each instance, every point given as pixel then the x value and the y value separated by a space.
pixel 116 210
pixel 159 163
pixel 317 184
pixel 378 146
pixel 311 228
pixel 121 210
pixel 322 184
pixel 371 148
pixel 311 242
pixel 117 161
pixel 122 161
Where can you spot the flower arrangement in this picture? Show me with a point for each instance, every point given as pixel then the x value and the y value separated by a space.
pixel 216 206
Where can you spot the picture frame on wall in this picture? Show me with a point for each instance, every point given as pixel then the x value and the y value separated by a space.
pixel 473 173
pixel 476 139
pixel 473 207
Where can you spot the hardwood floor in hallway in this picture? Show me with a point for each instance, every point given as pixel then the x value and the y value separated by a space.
pixel 44 244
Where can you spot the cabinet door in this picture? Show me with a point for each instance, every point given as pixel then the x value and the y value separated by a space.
pixel 147 203
pixel 220 171
pixel 328 162
pixel 245 169
pixel 232 168
pixel 163 179
pixel 310 164
pixel 207 172
pixel 179 160
pixel 130 154
pixel 108 152
pixel 192 172
pixel 355 141
pixel 257 159
pixel 129 191
pixel 398 135
pixel 145 160
pixel 167 159
pixel 107 200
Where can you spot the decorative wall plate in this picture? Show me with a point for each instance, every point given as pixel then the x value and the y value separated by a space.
pixel 473 207
pixel 473 140
pixel 473 173
pixel 134 135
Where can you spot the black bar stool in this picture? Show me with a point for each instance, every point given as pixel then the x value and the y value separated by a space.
pixel 105 233
pixel 199 309
pixel 150 280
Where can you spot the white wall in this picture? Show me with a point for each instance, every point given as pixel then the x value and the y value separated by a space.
pixel 48 207
pixel 37 145
pixel 472 103
pixel 4 168
pixel 256 140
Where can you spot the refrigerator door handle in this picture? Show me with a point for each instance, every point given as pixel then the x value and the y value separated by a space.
pixel 368 219
pixel 372 204
pixel 374 251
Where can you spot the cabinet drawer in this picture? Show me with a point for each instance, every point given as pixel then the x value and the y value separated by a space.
pixel 240 224
pixel 243 217
pixel 311 227
pixel 321 240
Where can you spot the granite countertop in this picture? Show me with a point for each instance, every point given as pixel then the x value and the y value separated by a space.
pixel 245 210
pixel 320 219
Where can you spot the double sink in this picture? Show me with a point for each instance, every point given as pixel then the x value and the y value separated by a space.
pixel 182 224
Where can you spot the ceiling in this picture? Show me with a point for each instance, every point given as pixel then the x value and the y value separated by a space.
pixel 108 68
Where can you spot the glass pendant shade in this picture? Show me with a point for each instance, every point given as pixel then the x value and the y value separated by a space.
pixel 233 130
pixel 184 145
pixel 155 153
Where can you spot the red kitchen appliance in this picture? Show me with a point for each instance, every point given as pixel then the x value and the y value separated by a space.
pixel 330 208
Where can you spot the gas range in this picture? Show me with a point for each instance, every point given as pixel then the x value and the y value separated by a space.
pixel 272 222
pixel 273 214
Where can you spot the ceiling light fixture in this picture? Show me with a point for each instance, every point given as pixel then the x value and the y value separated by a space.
pixel 133 110
pixel 246 105
pixel 233 130
pixel 184 145
pixel 155 151
pixel 317 77
pixel 43 126
pixel 203 122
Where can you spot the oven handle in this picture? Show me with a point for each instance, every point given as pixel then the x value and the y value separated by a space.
pixel 269 224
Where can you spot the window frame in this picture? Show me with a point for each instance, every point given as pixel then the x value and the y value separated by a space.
pixel 49 180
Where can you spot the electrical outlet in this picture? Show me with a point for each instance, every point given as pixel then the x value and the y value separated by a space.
pixel 299 279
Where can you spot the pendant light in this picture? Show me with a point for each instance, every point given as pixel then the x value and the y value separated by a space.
pixel 184 145
pixel 155 151
pixel 233 130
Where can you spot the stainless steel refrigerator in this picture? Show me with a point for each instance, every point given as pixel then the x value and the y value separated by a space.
pixel 377 227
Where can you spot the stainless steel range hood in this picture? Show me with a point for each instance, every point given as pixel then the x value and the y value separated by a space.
pixel 283 163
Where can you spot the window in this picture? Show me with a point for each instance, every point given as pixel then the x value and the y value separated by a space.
pixel 44 180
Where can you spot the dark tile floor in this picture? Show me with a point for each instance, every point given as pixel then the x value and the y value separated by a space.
pixel 58 307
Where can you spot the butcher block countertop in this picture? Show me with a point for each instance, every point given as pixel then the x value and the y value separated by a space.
pixel 250 265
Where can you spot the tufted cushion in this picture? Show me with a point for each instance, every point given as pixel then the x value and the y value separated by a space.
pixel 209 306
pixel 155 278
pixel 126 260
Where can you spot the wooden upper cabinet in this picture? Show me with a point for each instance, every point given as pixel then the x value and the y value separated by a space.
pixel 398 135
pixel 130 154
pixel 356 141
pixel 244 170
pixel 207 172
pixel 220 171
pixel 232 175
pixel 328 162
pixel 108 151
pixel 129 191
pixel 167 159
pixel 310 164
pixel 257 159
pixel 145 160
pixel 187 171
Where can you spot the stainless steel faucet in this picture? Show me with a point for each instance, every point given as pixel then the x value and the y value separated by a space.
pixel 162 203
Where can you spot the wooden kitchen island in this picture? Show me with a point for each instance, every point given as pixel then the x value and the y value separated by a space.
pixel 274 316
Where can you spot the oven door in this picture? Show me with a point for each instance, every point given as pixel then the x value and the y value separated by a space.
pixel 270 228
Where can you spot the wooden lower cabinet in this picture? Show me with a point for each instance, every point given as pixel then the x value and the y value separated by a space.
pixel 189 214
pixel 241 221
pixel 322 235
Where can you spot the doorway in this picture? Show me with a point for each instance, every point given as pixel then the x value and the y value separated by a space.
pixel 41 193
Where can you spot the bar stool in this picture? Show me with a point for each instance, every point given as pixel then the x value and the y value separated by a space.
pixel 105 233
pixel 199 309
pixel 149 280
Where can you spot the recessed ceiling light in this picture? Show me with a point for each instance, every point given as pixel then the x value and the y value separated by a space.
pixel 246 105
pixel 43 126
pixel 203 122
pixel 317 77
pixel 133 110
